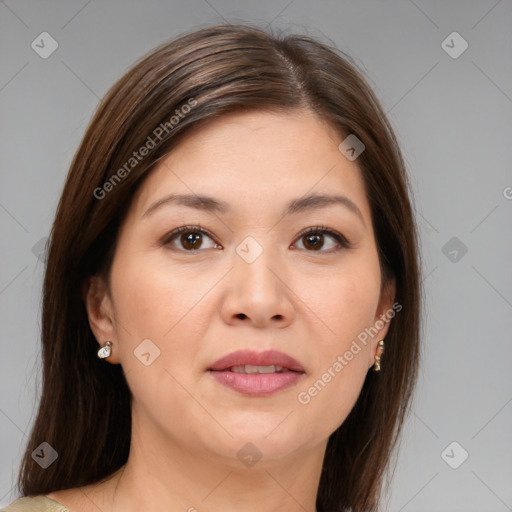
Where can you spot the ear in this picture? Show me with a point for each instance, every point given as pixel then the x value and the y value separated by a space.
pixel 386 310
pixel 100 312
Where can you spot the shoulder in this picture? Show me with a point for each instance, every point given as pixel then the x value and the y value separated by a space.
pixel 35 504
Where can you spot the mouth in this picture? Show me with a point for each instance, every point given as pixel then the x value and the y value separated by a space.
pixel 250 361
pixel 257 373
pixel 251 369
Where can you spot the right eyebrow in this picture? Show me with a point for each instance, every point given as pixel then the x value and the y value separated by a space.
pixel 198 202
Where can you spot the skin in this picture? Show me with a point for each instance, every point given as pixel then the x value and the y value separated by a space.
pixel 310 304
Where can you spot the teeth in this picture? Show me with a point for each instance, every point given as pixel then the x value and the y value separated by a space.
pixel 249 368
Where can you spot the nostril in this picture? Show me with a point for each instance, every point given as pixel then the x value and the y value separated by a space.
pixel 241 316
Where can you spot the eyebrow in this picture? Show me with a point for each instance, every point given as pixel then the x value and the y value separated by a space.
pixel 295 206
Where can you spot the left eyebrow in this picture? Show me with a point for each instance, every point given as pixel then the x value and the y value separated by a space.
pixel 317 201
pixel 295 206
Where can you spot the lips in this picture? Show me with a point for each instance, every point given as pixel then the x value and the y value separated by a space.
pixel 251 358
pixel 257 374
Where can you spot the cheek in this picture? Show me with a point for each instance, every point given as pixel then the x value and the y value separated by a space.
pixel 156 329
pixel 152 303
pixel 151 296
pixel 346 303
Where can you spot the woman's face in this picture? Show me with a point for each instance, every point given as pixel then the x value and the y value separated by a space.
pixel 250 281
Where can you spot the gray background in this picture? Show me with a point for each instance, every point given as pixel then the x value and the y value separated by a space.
pixel 453 118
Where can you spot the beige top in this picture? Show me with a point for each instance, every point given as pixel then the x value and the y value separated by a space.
pixel 35 504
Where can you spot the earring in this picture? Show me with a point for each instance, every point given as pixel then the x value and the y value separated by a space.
pixel 380 351
pixel 105 351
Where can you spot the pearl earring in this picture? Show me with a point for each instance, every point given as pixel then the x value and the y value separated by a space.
pixel 105 351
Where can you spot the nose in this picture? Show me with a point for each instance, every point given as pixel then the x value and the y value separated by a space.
pixel 259 293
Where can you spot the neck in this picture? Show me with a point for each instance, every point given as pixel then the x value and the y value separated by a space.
pixel 163 475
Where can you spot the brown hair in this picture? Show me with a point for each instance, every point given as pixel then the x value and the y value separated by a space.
pixel 85 408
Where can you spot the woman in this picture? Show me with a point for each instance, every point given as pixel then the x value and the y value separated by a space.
pixel 235 237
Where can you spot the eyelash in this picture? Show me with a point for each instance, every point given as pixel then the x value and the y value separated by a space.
pixel 342 241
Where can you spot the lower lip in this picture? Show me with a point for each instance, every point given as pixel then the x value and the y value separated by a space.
pixel 257 384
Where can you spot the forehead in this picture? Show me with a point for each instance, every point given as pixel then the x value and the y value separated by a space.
pixel 251 158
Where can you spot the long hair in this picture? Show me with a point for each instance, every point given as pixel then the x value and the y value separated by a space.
pixel 85 406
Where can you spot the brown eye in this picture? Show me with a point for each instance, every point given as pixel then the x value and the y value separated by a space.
pixel 191 238
pixel 314 242
pixel 314 239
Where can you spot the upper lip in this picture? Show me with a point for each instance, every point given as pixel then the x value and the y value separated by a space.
pixel 264 358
